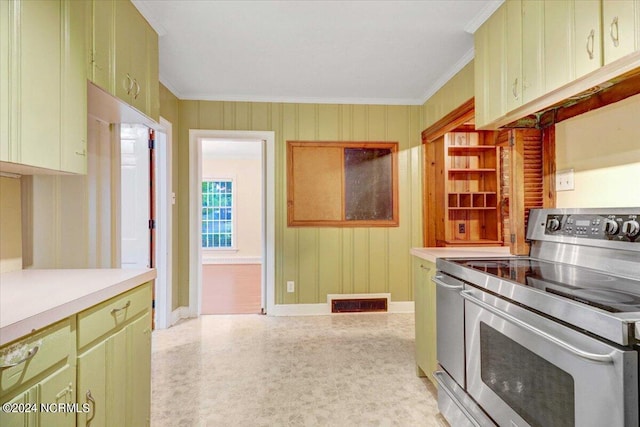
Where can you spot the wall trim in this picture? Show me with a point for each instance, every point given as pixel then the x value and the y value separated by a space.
pixel 179 314
pixel 212 259
pixel 322 309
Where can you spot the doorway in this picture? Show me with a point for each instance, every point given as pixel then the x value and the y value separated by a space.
pixel 267 238
pixel 231 232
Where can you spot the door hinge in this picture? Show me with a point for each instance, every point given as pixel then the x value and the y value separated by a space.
pixel 513 238
pixel 152 144
pixel 152 224
pixel 512 139
pixel 153 303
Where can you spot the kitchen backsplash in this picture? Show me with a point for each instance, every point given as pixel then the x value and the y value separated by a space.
pixel 603 149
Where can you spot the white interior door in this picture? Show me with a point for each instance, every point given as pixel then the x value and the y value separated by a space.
pixel 134 196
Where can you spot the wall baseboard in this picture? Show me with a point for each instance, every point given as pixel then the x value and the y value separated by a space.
pixel 179 314
pixel 325 309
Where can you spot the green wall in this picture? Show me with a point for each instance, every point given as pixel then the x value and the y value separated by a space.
pixel 454 93
pixel 320 260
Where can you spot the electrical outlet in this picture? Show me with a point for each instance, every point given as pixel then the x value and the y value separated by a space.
pixel 461 228
pixel 291 287
pixel 564 180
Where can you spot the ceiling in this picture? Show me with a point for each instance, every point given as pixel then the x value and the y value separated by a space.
pixel 358 52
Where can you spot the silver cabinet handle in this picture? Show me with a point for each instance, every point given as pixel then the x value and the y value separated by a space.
pixel 29 356
pixel 598 358
pixel 591 43
pixel 437 281
pixel 514 88
pixel 124 307
pixel 129 84
pixel 425 268
pixel 135 81
pixel 615 38
pixel 92 401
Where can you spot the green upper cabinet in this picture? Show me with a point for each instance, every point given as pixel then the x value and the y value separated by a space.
pixel 558 42
pixel 532 49
pixel 535 47
pixel 588 37
pixel 73 141
pixel 490 45
pixel 621 28
pixel 43 85
pixel 101 58
pixel 5 55
pixel 513 66
pixel 136 60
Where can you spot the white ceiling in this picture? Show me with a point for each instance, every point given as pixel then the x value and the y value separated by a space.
pixel 374 52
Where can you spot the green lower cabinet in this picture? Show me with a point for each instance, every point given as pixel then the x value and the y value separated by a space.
pixel 425 312
pixel 114 378
pixel 49 403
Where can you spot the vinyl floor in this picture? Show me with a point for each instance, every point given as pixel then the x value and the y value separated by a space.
pixel 254 370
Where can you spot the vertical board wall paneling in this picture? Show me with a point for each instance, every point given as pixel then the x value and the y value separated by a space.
pixel 321 260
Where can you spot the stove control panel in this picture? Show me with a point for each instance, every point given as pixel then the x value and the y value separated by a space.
pixel 614 227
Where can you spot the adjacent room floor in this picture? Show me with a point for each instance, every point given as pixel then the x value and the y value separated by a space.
pixel 253 370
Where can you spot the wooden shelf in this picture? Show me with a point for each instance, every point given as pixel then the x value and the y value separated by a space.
pixel 470 149
pixel 472 170
pixel 471 208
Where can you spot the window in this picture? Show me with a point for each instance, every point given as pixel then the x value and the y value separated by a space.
pixel 217 214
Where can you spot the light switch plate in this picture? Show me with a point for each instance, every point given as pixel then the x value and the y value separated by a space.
pixel 564 180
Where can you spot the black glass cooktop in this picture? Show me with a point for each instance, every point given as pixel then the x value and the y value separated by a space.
pixel 601 290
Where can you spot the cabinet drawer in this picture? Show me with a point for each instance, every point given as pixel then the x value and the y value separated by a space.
pixel 110 315
pixel 35 354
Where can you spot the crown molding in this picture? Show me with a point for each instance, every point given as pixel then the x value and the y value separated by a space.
pixel 484 14
pixel 462 62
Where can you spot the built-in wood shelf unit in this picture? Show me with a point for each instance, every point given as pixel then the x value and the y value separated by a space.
pixel 470 188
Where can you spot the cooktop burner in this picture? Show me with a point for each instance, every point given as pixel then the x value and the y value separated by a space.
pixel 601 290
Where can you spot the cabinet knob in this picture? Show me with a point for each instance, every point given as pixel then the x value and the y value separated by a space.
pixel 92 402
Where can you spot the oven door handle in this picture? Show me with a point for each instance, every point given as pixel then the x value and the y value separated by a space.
pixel 437 281
pixel 594 357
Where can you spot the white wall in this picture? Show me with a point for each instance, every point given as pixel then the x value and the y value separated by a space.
pixel 10 225
pixel 603 149
pixel 247 178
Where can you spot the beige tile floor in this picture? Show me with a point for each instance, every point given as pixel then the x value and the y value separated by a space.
pixel 253 370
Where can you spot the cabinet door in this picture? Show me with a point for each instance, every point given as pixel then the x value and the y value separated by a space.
pixel 102 72
pixel 5 57
pixel 39 83
pixel 621 25
pixel 514 55
pixel 153 80
pixel 139 371
pixel 21 419
pixel 481 66
pixel 73 149
pixel 116 395
pixel 421 304
pixel 123 78
pixel 558 43
pixel 139 63
pixel 532 49
pixel 588 37
pixel 58 389
pixel 496 83
pixel 92 386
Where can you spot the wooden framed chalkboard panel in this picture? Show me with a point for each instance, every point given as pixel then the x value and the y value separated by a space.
pixel 342 184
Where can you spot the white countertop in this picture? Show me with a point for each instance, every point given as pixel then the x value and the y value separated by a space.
pixel 430 254
pixel 33 299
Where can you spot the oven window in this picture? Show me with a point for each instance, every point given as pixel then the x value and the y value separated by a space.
pixel 540 392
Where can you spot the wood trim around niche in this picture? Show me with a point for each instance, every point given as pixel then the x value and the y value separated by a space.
pixel 461 115
pixel 339 198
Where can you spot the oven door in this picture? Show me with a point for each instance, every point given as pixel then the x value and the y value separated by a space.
pixel 524 369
